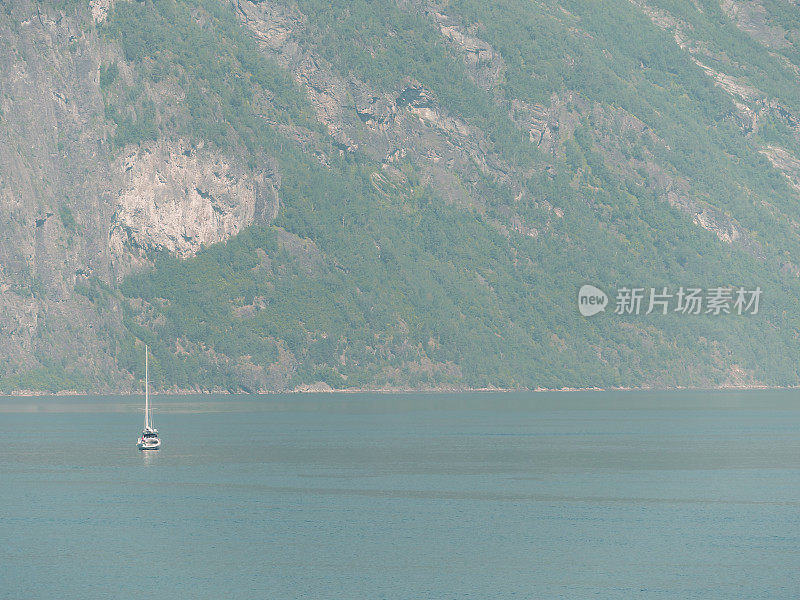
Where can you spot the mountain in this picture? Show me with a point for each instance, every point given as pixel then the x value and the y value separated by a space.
pixel 396 194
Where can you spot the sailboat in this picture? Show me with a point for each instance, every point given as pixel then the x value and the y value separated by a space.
pixel 149 439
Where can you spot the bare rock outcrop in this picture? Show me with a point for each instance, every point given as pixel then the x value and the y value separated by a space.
pixel 53 193
pixel 179 198
pixel 381 123
pixel 752 18
pixel 75 215
pixel 541 123
pixel 100 9
pixel 786 163
pixel 484 64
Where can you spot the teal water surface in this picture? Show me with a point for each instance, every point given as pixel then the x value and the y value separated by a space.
pixel 539 495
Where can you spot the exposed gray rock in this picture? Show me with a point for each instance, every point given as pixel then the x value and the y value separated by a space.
pixel 752 18
pixel 786 163
pixel 179 198
pixel 53 196
pixel 485 65
pixel 75 214
pixel 100 9
pixel 540 122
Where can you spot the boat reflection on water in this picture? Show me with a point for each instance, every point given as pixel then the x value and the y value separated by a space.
pixel 149 458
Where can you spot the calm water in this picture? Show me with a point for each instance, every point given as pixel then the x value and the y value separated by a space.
pixel 587 495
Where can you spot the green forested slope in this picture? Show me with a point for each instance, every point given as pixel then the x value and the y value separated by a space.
pixel 372 275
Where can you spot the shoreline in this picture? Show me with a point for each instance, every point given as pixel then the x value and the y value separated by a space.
pixel 314 389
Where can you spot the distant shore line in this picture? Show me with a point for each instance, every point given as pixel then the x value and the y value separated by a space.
pixel 315 389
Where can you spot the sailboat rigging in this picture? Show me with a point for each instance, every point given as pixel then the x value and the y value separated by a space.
pixel 149 439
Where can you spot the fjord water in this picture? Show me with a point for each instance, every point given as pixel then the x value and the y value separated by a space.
pixel 540 495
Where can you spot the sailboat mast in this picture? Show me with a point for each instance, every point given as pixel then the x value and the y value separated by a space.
pixel 146 390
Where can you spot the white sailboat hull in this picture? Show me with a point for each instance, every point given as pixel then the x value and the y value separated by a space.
pixel 148 444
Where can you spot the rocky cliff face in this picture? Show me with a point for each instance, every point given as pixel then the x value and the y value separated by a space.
pixel 78 214
pixel 407 122
pixel 54 201
pixel 177 198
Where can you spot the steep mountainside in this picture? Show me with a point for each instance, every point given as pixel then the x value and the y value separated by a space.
pixel 396 193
